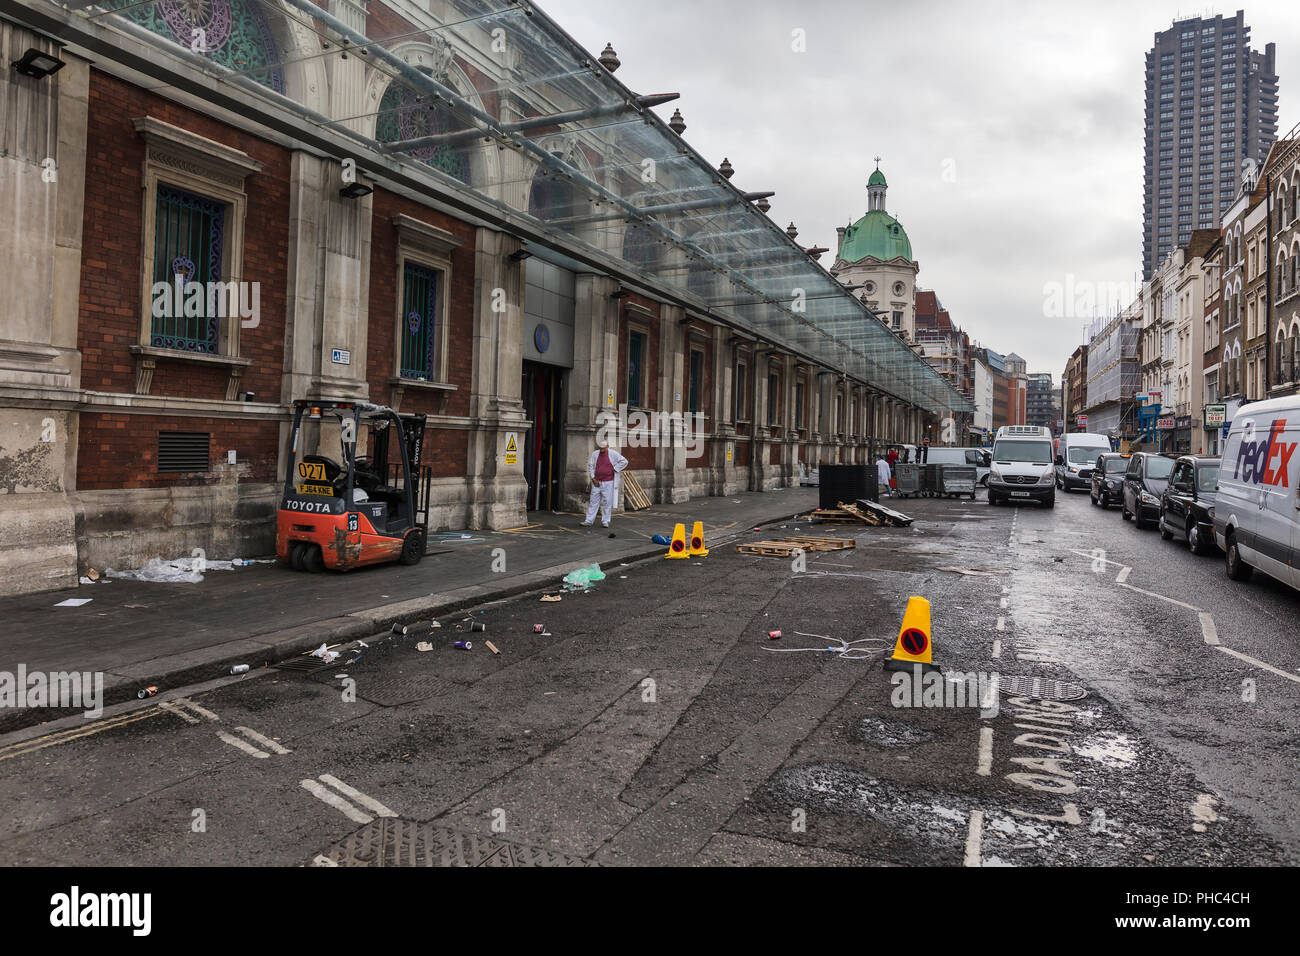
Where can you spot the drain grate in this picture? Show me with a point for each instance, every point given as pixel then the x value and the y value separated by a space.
pixel 1042 688
pixel 397 842
pixel 306 664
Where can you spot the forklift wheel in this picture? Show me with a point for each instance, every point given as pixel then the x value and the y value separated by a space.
pixel 413 548
pixel 311 559
pixel 296 554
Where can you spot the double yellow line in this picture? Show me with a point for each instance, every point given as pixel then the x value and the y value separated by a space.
pixel 63 736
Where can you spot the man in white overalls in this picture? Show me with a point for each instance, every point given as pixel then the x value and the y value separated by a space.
pixel 603 469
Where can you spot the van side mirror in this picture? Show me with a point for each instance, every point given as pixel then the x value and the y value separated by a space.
pixel 1060 459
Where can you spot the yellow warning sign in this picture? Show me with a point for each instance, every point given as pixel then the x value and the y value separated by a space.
pixel 609 399
pixel 731 451
pixel 512 458
pixel 512 448
pixel 511 444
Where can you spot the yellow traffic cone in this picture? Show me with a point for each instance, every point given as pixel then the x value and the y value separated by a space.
pixel 914 644
pixel 677 549
pixel 697 540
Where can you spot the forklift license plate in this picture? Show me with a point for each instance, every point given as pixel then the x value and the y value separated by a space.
pixel 323 490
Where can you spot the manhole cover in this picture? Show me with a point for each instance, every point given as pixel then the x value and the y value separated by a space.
pixel 392 841
pixel 1043 688
pixel 399 689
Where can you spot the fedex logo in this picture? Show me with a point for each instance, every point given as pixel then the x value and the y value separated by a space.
pixel 1264 461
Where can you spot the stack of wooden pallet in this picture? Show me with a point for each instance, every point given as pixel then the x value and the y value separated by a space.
pixel 862 511
pixel 634 497
pixel 785 547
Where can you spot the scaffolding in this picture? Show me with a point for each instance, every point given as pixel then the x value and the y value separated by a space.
pixel 1115 376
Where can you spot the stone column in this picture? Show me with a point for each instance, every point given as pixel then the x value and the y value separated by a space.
pixel 498 491
pixel 722 470
pixel 42 180
pixel 595 375
pixel 670 456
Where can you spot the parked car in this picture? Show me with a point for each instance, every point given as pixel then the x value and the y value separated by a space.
pixel 1076 455
pixel 1108 478
pixel 1144 482
pixel 1022 465
pixel 1187 506
pixel 1256 516
pixel 979 457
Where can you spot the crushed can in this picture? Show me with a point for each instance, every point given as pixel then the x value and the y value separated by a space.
pixel 465 645
pixel 144 692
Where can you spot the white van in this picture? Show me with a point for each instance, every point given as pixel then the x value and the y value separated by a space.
pixel 979 457
pixel 1257 509
pixel 1022 468
pixel 1076 457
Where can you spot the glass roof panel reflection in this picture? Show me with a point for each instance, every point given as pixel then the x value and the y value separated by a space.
pixel 491 100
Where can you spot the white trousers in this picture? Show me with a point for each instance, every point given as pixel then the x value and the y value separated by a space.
pixel 602 497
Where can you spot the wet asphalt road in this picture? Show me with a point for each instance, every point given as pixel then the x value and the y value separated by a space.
pixel 657 723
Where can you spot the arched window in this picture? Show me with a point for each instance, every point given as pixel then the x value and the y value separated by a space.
pixel 234 33
pixel 551 196
pixel 641 247
pixel 405 114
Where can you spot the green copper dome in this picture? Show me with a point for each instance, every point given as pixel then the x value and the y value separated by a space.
pixel 877 235
pixel 877 179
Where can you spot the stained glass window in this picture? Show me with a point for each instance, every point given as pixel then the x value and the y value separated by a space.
pixel 234 33
pixel 404 115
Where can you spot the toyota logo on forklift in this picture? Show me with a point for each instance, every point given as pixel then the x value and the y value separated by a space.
pixel 342 510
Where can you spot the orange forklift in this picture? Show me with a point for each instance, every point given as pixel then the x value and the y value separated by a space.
pixel 347 512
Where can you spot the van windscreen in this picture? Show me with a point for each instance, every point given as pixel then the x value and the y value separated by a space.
pixel 1033 452
pixel 1082 454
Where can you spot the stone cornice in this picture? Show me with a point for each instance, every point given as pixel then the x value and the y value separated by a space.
pixel 170 145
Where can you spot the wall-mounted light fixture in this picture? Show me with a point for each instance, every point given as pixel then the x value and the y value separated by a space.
pixel 520 254
pixel 355 190
pixel 38 65
pixel 620 294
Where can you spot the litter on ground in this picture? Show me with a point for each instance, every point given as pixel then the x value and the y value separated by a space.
pixel 584 577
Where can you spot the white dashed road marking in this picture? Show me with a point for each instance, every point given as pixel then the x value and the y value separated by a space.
pixel 974 838
pixel 266 742
pixel 1258 663
pixel 985 767
pixel 1208 630
pixel 325 795
pixel 242 745
pixel 369 803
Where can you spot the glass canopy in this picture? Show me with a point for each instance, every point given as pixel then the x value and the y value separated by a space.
pixel 491 102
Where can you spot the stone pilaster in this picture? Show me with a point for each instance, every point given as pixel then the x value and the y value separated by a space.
pixel 498 492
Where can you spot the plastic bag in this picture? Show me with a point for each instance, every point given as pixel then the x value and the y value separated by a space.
pixel 584 577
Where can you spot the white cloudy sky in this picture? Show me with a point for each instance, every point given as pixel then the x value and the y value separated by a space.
pixel 1037 107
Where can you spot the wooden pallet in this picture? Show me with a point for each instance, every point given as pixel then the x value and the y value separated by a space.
pixel 775 549
pixel 811 542
pixel 834 515
pixel 634 496
pixel 882 514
